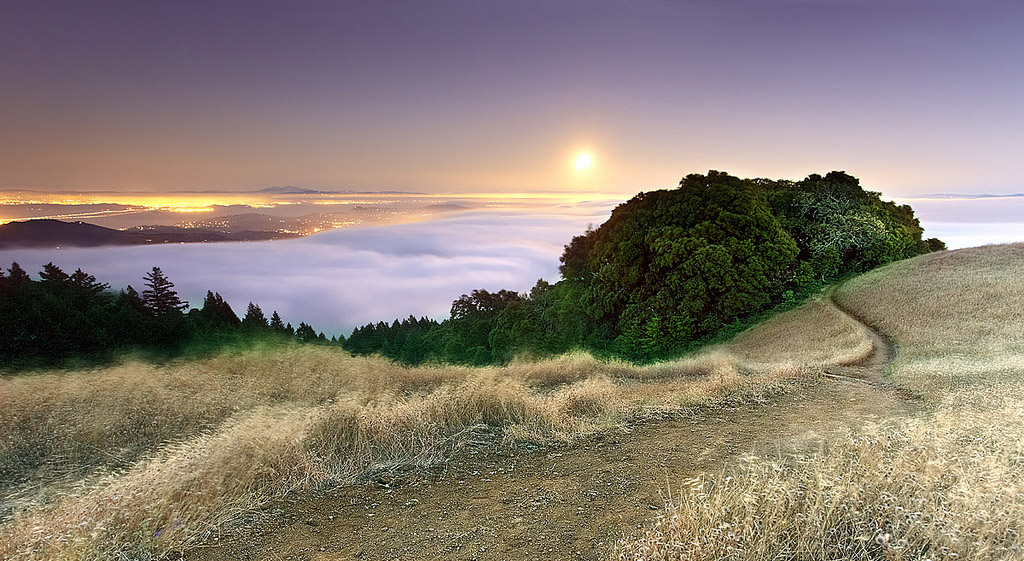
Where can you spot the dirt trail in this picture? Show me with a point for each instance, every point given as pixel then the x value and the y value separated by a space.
pixel 569 502
pixel 870 370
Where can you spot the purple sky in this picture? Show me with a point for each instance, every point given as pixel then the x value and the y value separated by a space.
pixel 910 96
pixel 482 96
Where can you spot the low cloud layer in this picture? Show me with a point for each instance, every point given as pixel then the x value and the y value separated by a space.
pixel 345 278
pixel 967 222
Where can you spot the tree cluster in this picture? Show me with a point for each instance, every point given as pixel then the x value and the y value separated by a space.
pixel 61 318
pixel 671 269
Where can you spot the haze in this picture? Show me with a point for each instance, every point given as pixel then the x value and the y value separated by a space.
pixel 517 124
pixel 912 96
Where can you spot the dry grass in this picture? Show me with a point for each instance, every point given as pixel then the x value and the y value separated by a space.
pixel 813 335
pixel 957 316
pixel 946 485
pixel 152 458
pixel 70 423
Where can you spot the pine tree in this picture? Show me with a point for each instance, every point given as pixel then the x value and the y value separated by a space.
pixel 254 319
pixel 276 324
pixel 53 276
pixel 87 288
pixel 131 322
pixel 305 333
pixel 129 298
pixel 217 313
pixel 18 275
pixel 160 298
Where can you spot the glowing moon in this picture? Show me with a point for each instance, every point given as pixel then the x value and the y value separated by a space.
pixel 583 162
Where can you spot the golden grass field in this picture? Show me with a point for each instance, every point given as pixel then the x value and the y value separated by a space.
pixel 137 457
pixel 138 460
pixel 947 484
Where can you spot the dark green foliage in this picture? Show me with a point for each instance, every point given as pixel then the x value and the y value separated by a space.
pixel 254 320
pixel 305 333
pixel 409 340
pixel 671 269
pixel 935 244
pixel 276 324
pixel 69 320
pixel 842 228
pixel 216 314
pixel 473 318
pixel 160 297
pixel 676 266
pixel 130 319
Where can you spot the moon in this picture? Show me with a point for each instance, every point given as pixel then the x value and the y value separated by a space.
pixel 583 161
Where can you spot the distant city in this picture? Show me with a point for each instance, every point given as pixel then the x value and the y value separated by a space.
pixel 52 219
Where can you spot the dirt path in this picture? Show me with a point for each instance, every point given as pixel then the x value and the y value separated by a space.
pixel 570 502
pixel 871 369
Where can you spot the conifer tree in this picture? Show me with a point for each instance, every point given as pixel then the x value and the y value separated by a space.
pixel 254 319
pixel 276 324
pixel 305 333
pixel 217 313
pixel 160 297
pixel 129 298
pixel 17 275
pixel 53 276
pixel 86 287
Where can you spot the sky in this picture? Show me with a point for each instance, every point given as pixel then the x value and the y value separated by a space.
pixel 913 97
pixel 482 96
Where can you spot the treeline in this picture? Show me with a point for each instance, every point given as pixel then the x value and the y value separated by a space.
pixel 63 318
pixel 669 270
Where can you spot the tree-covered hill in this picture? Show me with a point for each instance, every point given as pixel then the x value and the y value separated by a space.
pixel 671 268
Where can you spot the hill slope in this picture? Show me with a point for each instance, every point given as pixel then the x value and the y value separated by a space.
pixel 559 458
pixel 53 233
pixel 947 483
pixel 957 316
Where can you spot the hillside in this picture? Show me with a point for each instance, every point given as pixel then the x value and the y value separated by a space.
pixel 55 233
pixel 313 454
pixel 944 483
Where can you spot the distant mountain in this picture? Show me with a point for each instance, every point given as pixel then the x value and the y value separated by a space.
pixel 49 233
pixel 54 233
pixel 291 190
pixel 963 196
